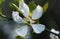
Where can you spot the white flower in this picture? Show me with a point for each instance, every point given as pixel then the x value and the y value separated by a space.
pixel 24 29
pixel 54 31
pixel 53 36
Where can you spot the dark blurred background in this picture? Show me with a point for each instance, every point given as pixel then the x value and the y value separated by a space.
pixel 51 18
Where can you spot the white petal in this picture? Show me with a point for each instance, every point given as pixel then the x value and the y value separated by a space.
pixel 53 36
pixel 37 13
pixel 22 31
pixel 54 31
pixel 17 18
pixel 24 8
pixel 38 28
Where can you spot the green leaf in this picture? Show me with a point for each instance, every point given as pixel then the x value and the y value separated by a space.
pixel 19 37
pixel 16 2
pixel 32 6
pixel 1 2
pixel 0 12
pixel 11 7
pixel 45 7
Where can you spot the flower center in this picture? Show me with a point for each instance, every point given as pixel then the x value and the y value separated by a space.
pixel 29 20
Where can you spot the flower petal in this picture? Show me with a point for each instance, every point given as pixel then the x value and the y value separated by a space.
pixel 54 31
pixel 37 13
pixel 24 8
pixel 22 31
pixel 53 36
pixel 38 28
pixel 16 17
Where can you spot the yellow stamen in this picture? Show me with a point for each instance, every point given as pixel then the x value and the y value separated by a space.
pixel 30 14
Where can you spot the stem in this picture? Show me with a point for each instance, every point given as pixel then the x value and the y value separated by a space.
pixel 17 8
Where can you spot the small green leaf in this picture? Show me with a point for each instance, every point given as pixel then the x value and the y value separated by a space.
pixel 16 2
pixel 19 37
pixel 45 7
pixel 32 6
pixel 1 2
pixel 0 12
pixel 11 7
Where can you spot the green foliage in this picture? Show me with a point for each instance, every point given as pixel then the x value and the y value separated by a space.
pixel 1 2
pixel 19 37
pixel 16 2
pixel 14 6
pixel 32 6
pixel 0 12
pixel 45 7
pixel 11 7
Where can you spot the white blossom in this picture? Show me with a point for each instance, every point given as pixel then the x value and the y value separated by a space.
pixel 36 14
